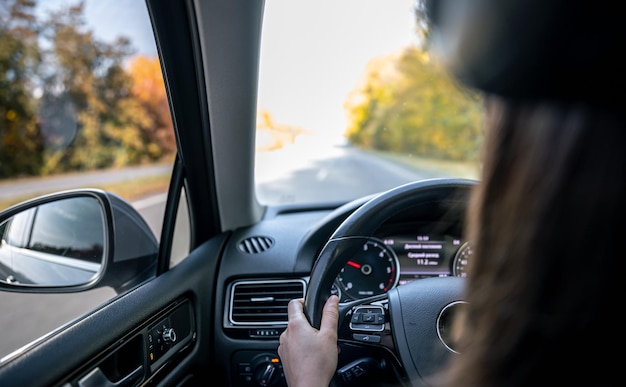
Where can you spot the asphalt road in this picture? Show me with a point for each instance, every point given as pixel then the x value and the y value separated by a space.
pixel 342 171
pixel 26 317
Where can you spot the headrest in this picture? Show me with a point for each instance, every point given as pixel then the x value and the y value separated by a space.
pixel 547 49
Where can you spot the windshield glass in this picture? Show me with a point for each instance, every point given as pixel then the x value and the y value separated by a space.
pixel 352 103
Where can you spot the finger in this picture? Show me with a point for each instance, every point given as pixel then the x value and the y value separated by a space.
pixel 330 314
pixel 281 338
pixel 295 309
pixel 281 349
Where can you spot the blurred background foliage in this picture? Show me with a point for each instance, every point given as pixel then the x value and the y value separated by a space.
pixel 71 102
pixel 407 103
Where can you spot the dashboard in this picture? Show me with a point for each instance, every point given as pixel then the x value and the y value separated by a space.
pixel 267 264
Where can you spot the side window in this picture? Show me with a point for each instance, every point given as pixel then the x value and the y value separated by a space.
pixel 82 105
pixel 180 245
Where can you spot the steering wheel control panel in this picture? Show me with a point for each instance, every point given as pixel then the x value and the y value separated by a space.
pixel 366 321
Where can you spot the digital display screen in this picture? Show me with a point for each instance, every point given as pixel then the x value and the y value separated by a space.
pixel 423 255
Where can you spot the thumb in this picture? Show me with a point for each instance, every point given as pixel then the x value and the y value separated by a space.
pixel 330 314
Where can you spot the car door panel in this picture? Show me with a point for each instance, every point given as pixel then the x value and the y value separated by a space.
pixel 93 340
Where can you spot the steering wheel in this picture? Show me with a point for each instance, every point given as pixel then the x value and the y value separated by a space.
pixel 410 321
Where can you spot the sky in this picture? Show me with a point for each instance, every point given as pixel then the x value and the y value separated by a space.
pixel 129 16
pixel 112 18
pixel 313 52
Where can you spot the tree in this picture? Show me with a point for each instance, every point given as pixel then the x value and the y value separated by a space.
pixel 148 89
pixel 102 115
pixel 85 77
pixel 68 101
pixel 21 143
pixel 408 103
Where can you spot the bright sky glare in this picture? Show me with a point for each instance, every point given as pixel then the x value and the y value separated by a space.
pixel 314 53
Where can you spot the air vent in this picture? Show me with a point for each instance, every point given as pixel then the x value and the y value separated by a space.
pixel 263 302
pixel 256 244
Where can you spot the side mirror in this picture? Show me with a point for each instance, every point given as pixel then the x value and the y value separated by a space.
pixel 75 240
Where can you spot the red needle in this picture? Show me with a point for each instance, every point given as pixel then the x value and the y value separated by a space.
pixel 354 264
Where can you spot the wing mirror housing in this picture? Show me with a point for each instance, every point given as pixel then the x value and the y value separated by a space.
pixel 73 241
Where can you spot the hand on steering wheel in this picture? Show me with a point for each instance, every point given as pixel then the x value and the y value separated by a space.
pixel 408 321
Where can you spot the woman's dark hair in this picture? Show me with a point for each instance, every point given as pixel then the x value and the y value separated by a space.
pixel 548 224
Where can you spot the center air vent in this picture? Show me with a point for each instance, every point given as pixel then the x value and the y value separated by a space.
pixel 255 244
pixel 263 302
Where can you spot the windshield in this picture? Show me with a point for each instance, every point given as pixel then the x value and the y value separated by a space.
pixel 352 103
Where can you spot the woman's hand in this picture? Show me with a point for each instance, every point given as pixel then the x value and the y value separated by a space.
pixel 309 356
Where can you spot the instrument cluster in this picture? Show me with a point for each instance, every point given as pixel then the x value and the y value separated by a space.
pixel 393 259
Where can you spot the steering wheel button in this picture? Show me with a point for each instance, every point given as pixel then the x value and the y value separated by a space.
pixel 356 318
pixel 367 327
pixel 369 317
pixel 366 338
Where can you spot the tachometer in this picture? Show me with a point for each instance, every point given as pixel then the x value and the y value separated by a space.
pixel 372 271
pixel 461 260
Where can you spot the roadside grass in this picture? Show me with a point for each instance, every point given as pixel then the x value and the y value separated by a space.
pixel 128 189
pixel 459 169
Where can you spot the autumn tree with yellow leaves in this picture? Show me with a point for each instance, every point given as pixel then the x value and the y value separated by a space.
pixel 148 90
pixel 407 103
pixel 21 143
pixel 70 101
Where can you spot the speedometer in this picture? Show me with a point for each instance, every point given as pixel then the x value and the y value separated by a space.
pixel 371 271
pixel 461 260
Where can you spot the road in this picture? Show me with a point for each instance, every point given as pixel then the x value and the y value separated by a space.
pixel 36 186
pixel 342 171
pixel 26 317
